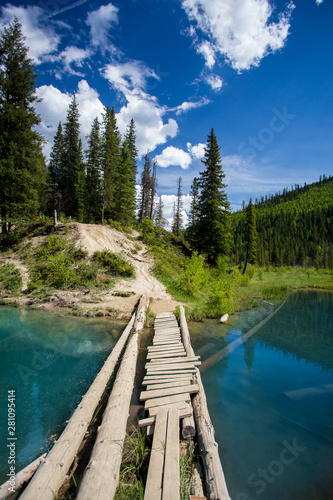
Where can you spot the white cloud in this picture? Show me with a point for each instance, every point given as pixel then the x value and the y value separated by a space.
pixel 197 151
pixel 101 21
pixel 173 156
pixel 41 39
pixel 187 106
pixel 73 55
pixel 318 2
pixel 168 201
pixel 214 81
pixel 239 30
pixel 54 107
pixel 130 79
pixel 208 51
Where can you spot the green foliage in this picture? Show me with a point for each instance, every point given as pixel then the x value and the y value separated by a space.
pixel 134 467
pixel 293 228
pixel 22 164
pixel 194 275
pixel 10 278
pixel 115 264
pixel 210 234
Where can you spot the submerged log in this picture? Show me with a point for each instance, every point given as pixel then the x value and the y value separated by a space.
pixel 215 358
pixel 214 477
pixel 101 476
pixel 52 473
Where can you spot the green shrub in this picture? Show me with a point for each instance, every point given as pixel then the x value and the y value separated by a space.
pixel 114 263
pixel 10 278
pixel 194 275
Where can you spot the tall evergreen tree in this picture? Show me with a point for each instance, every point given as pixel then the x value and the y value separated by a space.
pixel 22 165
pixel 130 138
pixel 110 161
pixel 192 229
pixel 153 186
pixel 160 221
pixel 93 184
pixel 124 203
pixel 250 235
pixel 145 195
pixel 178 225
pixel 72 173
pixel 214 216
pixel 55 172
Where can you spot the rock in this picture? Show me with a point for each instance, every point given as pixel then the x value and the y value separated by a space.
pixel 224 318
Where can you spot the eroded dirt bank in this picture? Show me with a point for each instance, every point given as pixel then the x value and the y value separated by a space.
pixel 94 238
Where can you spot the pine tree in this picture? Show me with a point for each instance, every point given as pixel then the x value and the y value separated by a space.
pixel 125 190
pixel 153 186
pixel 214 211
pixel 110 161
pixel 22 165
pixel 72 175
pixel 192 229
pixel 130 138
pixel 160 221
pixel 178 225
pixel 93 184
pixel 55 172
pixel 145 195
pixel 250 235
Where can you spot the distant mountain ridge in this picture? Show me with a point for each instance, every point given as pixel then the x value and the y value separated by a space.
pixel 294 227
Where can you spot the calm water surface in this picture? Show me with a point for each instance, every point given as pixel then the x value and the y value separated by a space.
pixel 50 362
pixel 271 399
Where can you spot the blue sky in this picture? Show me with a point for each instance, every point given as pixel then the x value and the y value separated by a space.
pixel 259 72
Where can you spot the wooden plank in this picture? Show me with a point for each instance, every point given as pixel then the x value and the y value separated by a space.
pixel 151 379
pixel 171 372
pixel 150 367
pixel 174 360
pixel 162 355
pixel 170 342
pixel 167 385
pixel 156 461
pixel 156 381
pixel 184 409
pixel 177 398
pixel 173 375
pixel 166 349
pixel 171 461
pixel 171 391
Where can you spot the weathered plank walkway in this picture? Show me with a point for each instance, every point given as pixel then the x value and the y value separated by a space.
pixel 169 384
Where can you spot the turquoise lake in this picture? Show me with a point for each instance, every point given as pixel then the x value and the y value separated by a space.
pixel 49 361
pixel 271 399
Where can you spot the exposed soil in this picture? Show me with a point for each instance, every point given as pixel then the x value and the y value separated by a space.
pixel 96 238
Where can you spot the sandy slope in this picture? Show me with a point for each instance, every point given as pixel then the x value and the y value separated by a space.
pixel 96 238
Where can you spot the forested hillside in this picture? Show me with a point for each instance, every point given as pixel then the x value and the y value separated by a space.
pixel 294 227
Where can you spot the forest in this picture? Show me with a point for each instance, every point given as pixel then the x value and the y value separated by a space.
pixel 98 185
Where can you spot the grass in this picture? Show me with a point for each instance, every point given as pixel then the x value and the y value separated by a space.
pixel 57 264
pixel 10 279
pixel 134 467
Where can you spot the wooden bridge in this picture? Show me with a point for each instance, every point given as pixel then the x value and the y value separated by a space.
pixel 173 398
